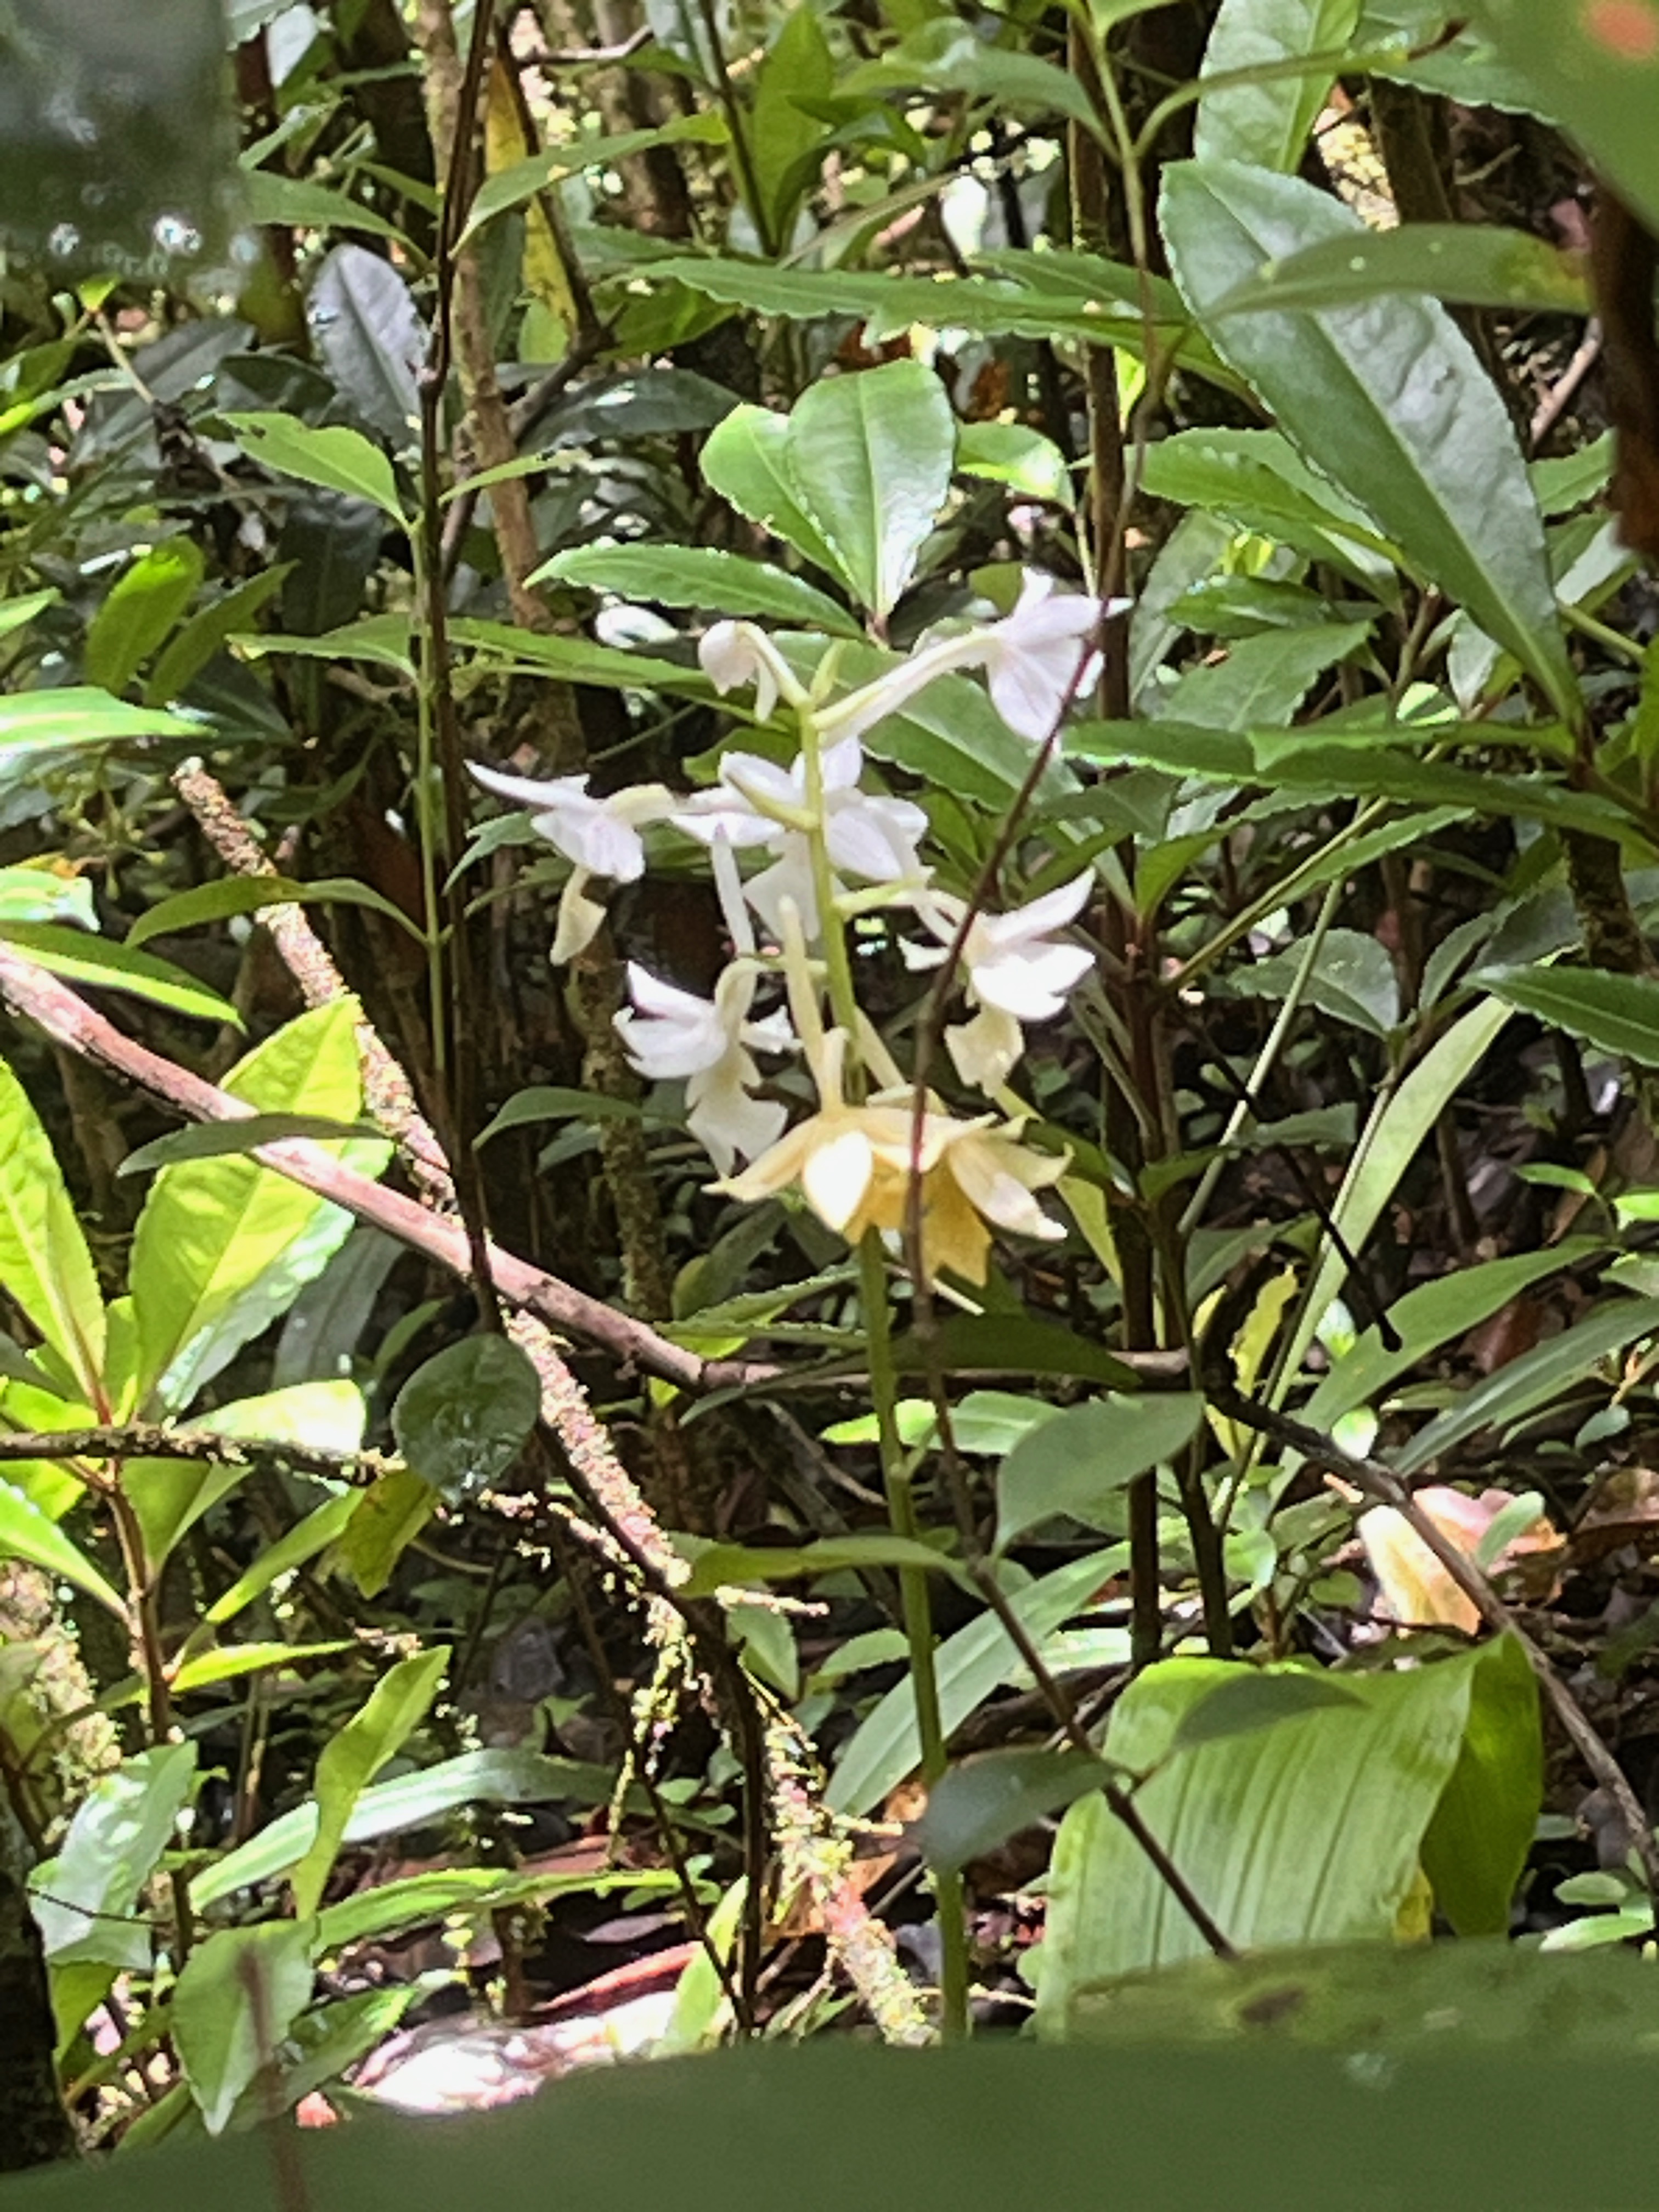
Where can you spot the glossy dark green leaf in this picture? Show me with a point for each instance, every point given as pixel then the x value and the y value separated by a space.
pixel 464 1415
pixel 1386 397
pixel 298 205
pixel 237 895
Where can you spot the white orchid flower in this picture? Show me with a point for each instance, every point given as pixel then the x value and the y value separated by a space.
pixel 757 803
pixel 709 1044
pixel 1016 974
pixel 1034 659
pixel 735 653
pixel 597 836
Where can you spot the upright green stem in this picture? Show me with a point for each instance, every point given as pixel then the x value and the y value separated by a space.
pixel 883 1394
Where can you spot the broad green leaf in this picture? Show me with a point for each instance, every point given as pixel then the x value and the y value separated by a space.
pixel 78 715
pixel 79 958
pixel 234 895
pixel 1013 454
pixel 223 1244
pixel 982 1802
pixel 1307 1831
pixel 718 1567
pixel 466 1415
pixel 384 641
pixel 871 455
pixel 1072 1465
pixel 1596 68
pixel 699 576
pixel 17 614
pixel 86 1899
pixel 745 459
pixel 1269 123
pixel 969 1666
pixel 513 186
pixel 474 1777
pixel 1477 1843
pixel 1351 978
pixel 239 1993
pixel 1474 264
pixel 46 1267
pixel 143 606
pixel 1617 1014
pixel 334 460
pixel 1386 397
pixel 318 1529
pixel 1251 2126
pixel 350 1760
pixel 27 1533
pixel 1309 760
pixel 213 1141
pixel 328 1415
pixel 42 894
pixel 1537 1377
pixel 298 205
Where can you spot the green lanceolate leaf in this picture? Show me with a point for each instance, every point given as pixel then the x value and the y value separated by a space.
pixel 872 455
pixel 1387 397
pixel 25 1533
pixel 222 1245
pixel 234 895
pixel 79 715
pixel 982 1802
pixel 1477 1843
pixel 334 460
pixel 44 1264
pixel 1617 1014
pixel 1472 265
pixel 699 576
pixel 1269 123
pixel 82 959
pixel 1075 1464
pixel 239 1995
pixel 350 1760
pixel 213 1141
pixel 746 460
pixel 86 1899
pixel 142 608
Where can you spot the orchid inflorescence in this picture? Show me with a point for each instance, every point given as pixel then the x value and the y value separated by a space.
pixel 816 828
